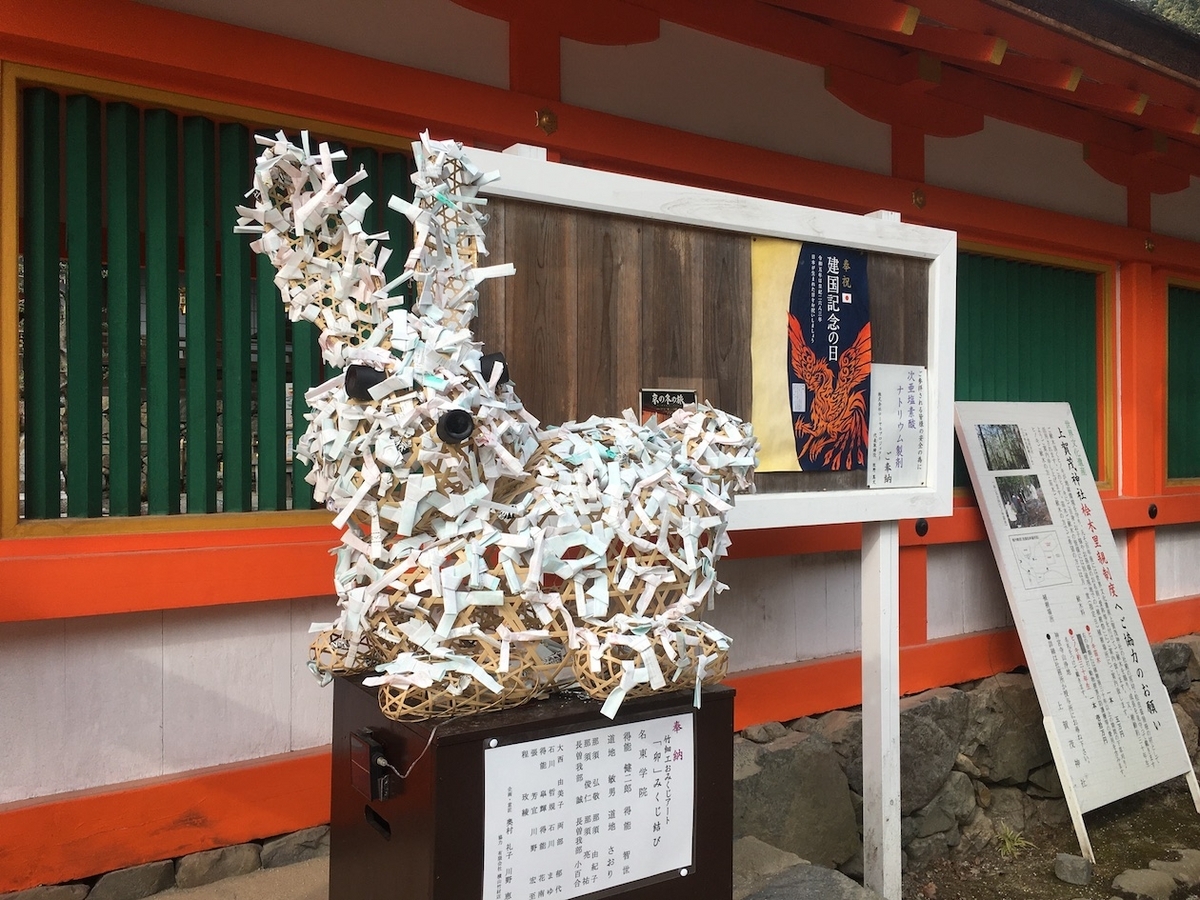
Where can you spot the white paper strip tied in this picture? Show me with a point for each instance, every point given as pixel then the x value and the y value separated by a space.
pixel 524 558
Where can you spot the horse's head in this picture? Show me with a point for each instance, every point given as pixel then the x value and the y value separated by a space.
pixel 416 396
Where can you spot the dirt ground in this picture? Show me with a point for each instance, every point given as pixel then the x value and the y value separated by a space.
pixel 1125 835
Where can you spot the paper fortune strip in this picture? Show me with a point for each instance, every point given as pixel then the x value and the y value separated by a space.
pixel 485 558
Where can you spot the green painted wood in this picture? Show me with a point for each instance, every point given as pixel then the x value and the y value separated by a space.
pixel 1183 383
pixel 200 316
pixel 396 178
pixel 271 377
pixel 236 375
pixel 162 311
pixel 1027 332
pixel 124 311
pixel 40 332
pixel 306 372
pixel 342 170
pixel 85 309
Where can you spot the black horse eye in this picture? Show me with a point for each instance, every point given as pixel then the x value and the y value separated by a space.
pixel 455 426
pixel 488 363
pixel 360 380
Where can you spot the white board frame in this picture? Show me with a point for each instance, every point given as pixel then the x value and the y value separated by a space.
pixel 523 176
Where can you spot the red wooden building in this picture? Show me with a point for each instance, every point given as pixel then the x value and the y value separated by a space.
pixel 152 675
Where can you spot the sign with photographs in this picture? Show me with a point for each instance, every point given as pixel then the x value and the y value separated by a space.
pixel 1107 714
pixel 589 811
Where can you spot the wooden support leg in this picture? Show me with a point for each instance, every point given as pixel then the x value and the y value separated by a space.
pixel 881 707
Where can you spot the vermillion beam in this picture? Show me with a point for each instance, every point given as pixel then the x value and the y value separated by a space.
pixel 1111 98
pixel 895 105
pixel 780 31
pixel 1039 72
pixel 882 15
pixel 614 22
pixel 950 44
pixel 1035 40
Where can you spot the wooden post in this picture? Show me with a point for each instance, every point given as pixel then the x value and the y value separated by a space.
pixel 881 707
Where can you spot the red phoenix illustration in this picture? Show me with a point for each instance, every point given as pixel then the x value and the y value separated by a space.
pixel 835 435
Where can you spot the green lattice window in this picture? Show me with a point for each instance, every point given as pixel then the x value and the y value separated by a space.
pixel 1027 331
pixel 153 380
pixel 1183 383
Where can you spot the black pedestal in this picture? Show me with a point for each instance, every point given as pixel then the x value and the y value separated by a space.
pixel 423 837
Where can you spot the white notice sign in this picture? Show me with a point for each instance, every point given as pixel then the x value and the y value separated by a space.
pixel 582 812
pixel 1082 635
pixel 896 453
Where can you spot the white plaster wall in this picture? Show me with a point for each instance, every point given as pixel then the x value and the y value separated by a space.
pixel 1177 214
pixel 107 699
pixel 434 35
pixel 1176 561
pixel 707 85
pixel 964 590
pixel 788 608
pixel 1021 165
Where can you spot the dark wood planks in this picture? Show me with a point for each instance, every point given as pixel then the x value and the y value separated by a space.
pixel 604 305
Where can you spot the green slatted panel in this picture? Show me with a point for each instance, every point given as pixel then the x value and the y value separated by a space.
pixel 40 326
pixel 306 372
pixel 342 170
pixel 162 312
pixel 200 317
pixel 1183 383
pixel 1027 332
pixel 124 312
pixel 236 431
pixel 397 181
pixel 270 321
pixel 85 309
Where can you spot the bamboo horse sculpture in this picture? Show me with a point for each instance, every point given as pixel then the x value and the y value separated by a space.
pixel 485 559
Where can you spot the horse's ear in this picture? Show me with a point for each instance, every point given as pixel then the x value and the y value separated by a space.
pixel 326 267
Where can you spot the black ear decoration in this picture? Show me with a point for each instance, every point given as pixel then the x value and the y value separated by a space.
pixel 487 364
pixel 360 380
pixel 455 426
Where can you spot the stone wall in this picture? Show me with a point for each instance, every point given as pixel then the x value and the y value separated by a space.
pixel 973 759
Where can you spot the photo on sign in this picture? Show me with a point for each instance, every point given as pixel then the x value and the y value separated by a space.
pixel 1003 449
pixel 1023 501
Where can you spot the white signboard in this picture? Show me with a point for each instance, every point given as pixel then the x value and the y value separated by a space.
pixel 587 811
pixel 1108 715
pixel 896 455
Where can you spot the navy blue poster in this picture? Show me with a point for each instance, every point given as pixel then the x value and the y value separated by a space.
pixel 829 358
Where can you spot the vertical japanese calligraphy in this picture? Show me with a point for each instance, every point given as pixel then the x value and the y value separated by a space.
pixel 590 810
pixel 829 358
pixel 897 455
pixel 1081 632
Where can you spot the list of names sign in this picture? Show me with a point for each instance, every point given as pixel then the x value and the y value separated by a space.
pixel 590 810
pixel 1075 614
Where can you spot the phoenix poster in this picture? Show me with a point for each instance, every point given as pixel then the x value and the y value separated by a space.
pixel 829 358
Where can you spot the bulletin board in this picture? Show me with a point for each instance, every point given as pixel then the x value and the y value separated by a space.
pixel 626 283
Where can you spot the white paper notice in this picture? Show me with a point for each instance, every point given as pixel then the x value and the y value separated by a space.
pixel 896 455
pixel 587 811
pixel 1082 635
